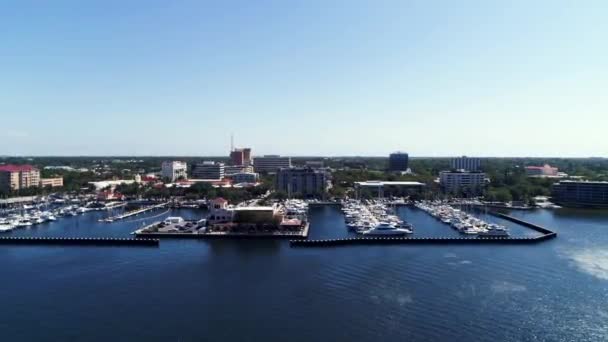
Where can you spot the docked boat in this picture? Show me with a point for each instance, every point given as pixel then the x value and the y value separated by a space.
pixel 494 230
pixel 385 228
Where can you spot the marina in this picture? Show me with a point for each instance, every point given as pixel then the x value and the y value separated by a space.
pixel 461 220
pixel 31 215
pixel 374 218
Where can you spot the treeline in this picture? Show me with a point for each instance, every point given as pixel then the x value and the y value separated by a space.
pixel 194 192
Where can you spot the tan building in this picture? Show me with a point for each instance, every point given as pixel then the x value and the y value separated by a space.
pixel 52 182
pixel 15 177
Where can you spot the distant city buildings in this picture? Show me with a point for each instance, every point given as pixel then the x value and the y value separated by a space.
pixel 245 177
pixel 315 164
pixel 16 177
pixel 398 162
pixel 303 181
pixel 466 163
pixel 461 181
pixel 174 170
pixel 543 171
pixel 581 193
pixel 270 163
pixel 208 170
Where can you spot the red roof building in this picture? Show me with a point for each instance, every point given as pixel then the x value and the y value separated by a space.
pixel 15 177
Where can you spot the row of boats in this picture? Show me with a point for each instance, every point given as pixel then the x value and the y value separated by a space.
pixel 374 218
pixel 37 216
pixel 462 221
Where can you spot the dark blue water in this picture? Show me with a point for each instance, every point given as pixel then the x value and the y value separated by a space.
pixel 266 291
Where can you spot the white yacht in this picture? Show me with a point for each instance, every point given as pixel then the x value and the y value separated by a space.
pixel 494 230
pixel 385 228
pixel 7 226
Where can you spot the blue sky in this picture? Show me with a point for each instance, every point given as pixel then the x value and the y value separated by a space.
pixel 434 78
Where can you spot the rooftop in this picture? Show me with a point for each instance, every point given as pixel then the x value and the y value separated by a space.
pixel 382 183
pixel 16 168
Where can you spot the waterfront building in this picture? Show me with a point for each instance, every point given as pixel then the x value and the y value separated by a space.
pixel 52 182
pixel 462 181
pixel 581 193
pixel 245 177
pixel 15 177
pixel 542 171
pixel 174 170
pixel 466 163
pixel 230 170
pixel 388 188
pixel 303 181
pixel 398 162
pixel 270 163
pixel 208 170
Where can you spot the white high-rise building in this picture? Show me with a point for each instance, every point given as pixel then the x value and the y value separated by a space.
pixel 453 181
pixel 466 163
pixel 174 170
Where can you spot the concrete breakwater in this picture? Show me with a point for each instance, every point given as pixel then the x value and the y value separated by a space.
pixel 75 241
pixel 530 225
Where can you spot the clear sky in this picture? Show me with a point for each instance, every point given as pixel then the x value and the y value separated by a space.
pixel 433 78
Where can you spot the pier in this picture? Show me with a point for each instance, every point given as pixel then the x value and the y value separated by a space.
pixel 133 213
pixel 75 241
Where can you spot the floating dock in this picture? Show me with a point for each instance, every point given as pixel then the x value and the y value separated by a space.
pixel 74 241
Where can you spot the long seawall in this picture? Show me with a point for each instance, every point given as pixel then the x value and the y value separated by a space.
pixel 78 241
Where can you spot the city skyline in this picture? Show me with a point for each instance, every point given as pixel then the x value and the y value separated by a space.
pixel 434 79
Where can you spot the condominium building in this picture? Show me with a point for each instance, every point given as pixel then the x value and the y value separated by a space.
pixel 52 182
pixel 15 177
pixel 270 163
pixel 456 181
pixel 466 163
pixel 581 193
pixel 174 170
pixel 245 177
pixel 303 181
pixel 398 162
pixel 208 170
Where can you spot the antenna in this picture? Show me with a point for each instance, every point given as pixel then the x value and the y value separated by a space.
pixel 231 142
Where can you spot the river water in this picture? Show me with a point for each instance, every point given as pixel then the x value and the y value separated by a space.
pixel 223 290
